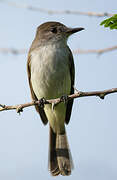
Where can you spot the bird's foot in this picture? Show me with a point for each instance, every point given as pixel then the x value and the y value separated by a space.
pixel 64 98
pixel 42 101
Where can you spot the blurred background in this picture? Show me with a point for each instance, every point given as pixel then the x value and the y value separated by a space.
pixel 92 131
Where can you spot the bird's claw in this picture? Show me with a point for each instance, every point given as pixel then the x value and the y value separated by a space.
pixel 64 98
pixel 42 101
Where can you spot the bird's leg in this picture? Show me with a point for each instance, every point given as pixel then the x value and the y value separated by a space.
pixel 42 101
pixel 64 98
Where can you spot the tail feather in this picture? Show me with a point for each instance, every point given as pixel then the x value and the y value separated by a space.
pixel 53 164
pixel 60 161
pixel 63 156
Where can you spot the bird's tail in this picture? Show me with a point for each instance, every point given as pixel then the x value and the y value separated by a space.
pixel 60 161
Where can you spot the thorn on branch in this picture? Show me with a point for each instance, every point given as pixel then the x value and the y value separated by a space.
pixel 19 109
pixel 3 106
pixel 75 89
pixel 102 96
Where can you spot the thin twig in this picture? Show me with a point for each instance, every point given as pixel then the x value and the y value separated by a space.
pixel 94 51
pixel 77 51
pixel 19 108
pixel 52 12
pixel 13 51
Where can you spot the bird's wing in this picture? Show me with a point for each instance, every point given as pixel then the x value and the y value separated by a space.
pixel 72 75
pixel 38 109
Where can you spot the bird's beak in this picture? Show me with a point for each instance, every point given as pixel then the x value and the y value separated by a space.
pixel 71 31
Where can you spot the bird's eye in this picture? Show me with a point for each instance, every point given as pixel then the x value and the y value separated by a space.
pixel 54 30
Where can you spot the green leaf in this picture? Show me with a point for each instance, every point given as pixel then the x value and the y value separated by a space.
pixel 103 22
pixel 113 26
pixel 110 22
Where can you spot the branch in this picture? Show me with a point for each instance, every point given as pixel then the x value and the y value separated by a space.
pixel 94 51
pixel 51 12
pixel 19 108
pixel 77 51
pixel 13 51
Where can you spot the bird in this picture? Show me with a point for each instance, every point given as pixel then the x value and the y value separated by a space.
pixel 51 74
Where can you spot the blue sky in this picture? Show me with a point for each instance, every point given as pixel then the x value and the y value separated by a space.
pixel 92 132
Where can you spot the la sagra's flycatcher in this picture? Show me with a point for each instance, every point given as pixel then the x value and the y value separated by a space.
pixel 51 74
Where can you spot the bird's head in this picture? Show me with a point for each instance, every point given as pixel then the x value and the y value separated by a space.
pixel 55 31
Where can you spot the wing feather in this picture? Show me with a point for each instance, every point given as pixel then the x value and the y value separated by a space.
pixel 38 109
pixel 72 75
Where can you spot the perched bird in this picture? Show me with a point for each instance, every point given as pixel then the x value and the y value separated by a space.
pixel 51 74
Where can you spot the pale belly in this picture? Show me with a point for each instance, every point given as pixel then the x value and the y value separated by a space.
pixel 50 77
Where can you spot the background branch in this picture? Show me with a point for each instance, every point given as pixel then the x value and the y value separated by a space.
pixel 12 51
pixel 77 51
pixel 94 51
pixel 52 12
pixel 19 108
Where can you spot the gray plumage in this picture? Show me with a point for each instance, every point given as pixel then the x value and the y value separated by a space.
pixel 51 74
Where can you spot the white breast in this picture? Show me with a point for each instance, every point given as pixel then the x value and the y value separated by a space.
pixel 50 75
